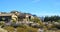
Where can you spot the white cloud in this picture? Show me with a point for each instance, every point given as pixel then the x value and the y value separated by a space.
pixel 34 1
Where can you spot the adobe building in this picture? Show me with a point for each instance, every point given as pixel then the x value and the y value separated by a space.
pixel 15 16
pixel 7 17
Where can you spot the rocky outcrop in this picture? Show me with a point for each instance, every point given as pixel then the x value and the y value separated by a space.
pixel 3 30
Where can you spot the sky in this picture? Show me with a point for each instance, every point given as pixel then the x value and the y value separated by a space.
pixel 37 7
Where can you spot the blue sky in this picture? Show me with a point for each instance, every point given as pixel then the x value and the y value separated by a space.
pixel 38 7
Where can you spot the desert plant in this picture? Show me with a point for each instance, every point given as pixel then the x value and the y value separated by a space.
pixel 28 29
pixel 9 28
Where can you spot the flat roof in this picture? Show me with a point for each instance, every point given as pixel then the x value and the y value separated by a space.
pixel 8 14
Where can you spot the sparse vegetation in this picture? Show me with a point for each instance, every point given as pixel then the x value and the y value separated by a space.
pixel 50 24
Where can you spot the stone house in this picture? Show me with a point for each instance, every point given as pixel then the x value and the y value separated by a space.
pixel 7 17
pixel 15 16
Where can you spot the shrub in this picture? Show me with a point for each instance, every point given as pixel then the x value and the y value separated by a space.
pixel 28 29
pixel 9 28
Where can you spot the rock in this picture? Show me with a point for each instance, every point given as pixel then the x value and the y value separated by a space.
pixel 3 30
